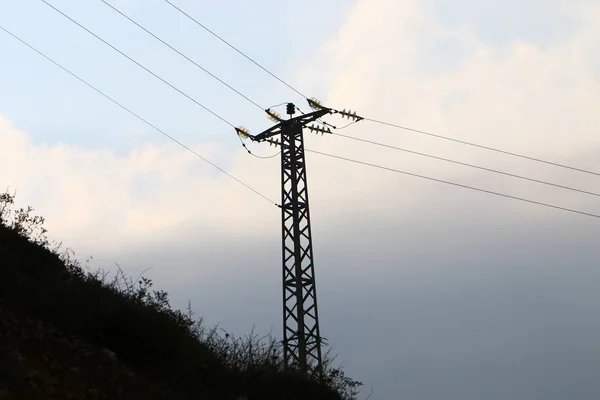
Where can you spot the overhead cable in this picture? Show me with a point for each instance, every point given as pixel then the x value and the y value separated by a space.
pixel 234 48
pixel 467 164
pixel 455 184
pixel 483 147
pixel 181 54
pixel 138 64
pixel 137 115
pixel 464 142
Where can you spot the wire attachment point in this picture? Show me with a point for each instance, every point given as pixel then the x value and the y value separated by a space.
pixel 242 132
pixel 273 115
pixel 315 103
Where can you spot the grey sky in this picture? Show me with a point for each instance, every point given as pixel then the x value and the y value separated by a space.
pixel 426 291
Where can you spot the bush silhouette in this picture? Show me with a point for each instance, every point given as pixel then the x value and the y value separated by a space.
pixel 137 324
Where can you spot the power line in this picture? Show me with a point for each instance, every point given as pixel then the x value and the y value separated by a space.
pixel 468 165
pixel 263 157
pixel 182 55
pixel 279 105
pixel 255 155
pixel 138 64
pixel 456 184
pixel 483 147
pixel 234 48
pixel 378 121
pixel 369 119
pixel 136 115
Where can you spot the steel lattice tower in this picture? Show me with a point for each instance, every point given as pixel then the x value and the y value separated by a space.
pixel 301 335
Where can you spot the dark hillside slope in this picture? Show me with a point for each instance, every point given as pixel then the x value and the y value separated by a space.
pixel 66 334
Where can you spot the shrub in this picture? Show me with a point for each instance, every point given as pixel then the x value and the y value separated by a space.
pixel 138 324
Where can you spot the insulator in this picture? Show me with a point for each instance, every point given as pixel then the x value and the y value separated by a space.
pixel 350 115
pixel 242 132
pixel 316 128
pixel 273 115
pixel 315 103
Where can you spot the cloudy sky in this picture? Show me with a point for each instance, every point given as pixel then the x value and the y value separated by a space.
pixel 426 291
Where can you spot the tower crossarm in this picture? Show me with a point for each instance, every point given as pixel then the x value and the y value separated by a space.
pixel 302 120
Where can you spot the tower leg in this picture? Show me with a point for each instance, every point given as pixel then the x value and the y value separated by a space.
pixel 301 336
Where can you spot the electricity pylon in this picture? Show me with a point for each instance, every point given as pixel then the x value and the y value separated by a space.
pixel 301 335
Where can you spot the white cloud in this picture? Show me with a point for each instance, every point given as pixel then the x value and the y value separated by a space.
pixel 94 196
pixel 517 96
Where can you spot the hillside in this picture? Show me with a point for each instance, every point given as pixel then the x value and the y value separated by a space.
pixel 68 333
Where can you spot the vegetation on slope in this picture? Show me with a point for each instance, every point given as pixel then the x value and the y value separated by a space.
pixel 70 333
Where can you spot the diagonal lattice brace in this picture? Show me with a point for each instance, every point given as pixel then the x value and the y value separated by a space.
pixel 302 340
